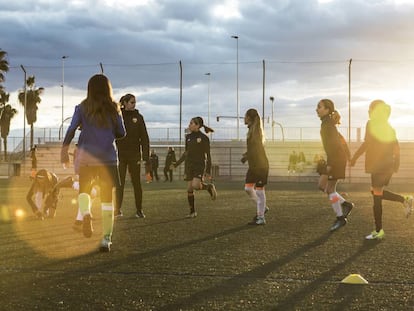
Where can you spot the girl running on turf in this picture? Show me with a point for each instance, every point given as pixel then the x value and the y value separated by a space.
pixel 101 122
pixel 337 155
pixel 258 171
pixel 382 159
pixel 197 162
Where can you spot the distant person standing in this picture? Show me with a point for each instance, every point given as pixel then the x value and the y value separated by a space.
pixel 258 171
pixel 382 160
pixel 169 160
pixel 293 158
pixel 101 121
pixel 337 156
pixel 154 165
pixel 34 162
pixel 301 162
pixel 197 162
pixel 133 148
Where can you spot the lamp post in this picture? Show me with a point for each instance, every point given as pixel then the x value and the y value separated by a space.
pixel 273 120
pixel 63 86
pixel 24 110
pixel 208 96
pixel 237 85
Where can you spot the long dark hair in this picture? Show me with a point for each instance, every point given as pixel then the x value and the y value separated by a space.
pixel 199 121
pixel 99 104
pixel 124 99
pixel 255 128
pixel 333 113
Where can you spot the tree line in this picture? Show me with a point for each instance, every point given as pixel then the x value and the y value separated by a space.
pixel 29 98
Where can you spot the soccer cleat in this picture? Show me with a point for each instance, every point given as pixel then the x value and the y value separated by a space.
pixel 118 214
pixel 140 214
pixel 39 215
pixel 87 226
pixel 266 209
pixel 408 205
pixel 339 222
pixel 191 215
pixel 347 208
pixel 258 221
pixel 77 226
pixel 374 235
pixel 105 246
pixel 212 190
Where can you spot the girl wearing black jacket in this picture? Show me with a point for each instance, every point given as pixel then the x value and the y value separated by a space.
pixel 256 176
pixel 337 155
pixel 382 160
pixel 197 162
pixel 133 148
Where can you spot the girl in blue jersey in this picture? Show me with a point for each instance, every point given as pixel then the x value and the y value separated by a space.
pixel 197 162
pixel 101 123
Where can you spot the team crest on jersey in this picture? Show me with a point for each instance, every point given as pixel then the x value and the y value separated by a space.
pixel 135 120
pixel 199 140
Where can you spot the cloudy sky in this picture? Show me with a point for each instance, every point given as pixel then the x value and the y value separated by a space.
pixel 306 46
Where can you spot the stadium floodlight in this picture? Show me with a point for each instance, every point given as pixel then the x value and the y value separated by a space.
pixel 237 85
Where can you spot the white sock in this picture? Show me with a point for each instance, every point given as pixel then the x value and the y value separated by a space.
pixel 261 202
pixel 341 199
pixel 251 192
pixel 336 203
pixel 84 203
pixel 107 219
pixel 39 200
pixel 79 215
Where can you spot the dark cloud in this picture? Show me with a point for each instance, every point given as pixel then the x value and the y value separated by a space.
pixel 306 44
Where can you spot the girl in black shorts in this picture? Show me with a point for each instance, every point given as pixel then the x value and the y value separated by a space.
pixel 197 162
pixel 337 155
pixel 382 159
pixel 256 176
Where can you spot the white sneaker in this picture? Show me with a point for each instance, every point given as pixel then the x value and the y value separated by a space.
pixel 260 220
pixel 408 205
pixel 105 246
pixel 191 215
pixel 374 235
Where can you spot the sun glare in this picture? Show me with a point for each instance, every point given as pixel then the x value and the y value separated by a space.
pixel 229 9
pixel 127 3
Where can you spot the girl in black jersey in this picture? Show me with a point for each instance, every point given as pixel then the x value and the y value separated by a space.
pixel 382 160
pixel 256 176
pixel 133 148
pixel 337 155
pixel 197 162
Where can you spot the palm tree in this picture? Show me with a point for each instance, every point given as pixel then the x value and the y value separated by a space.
pixel 6 114
pixel 4 65
pixel 32 100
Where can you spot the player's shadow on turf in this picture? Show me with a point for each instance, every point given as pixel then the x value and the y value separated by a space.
pixel 140 256
pixel 289 302
pixel 243 280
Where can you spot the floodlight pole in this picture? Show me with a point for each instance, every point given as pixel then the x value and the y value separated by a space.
pixel 237 86
pixel 24 110
pixel 208 96
pixel 63 87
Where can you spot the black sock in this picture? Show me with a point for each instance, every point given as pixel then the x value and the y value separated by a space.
pixel 190 197
pixel 377 212
pixel 391 196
